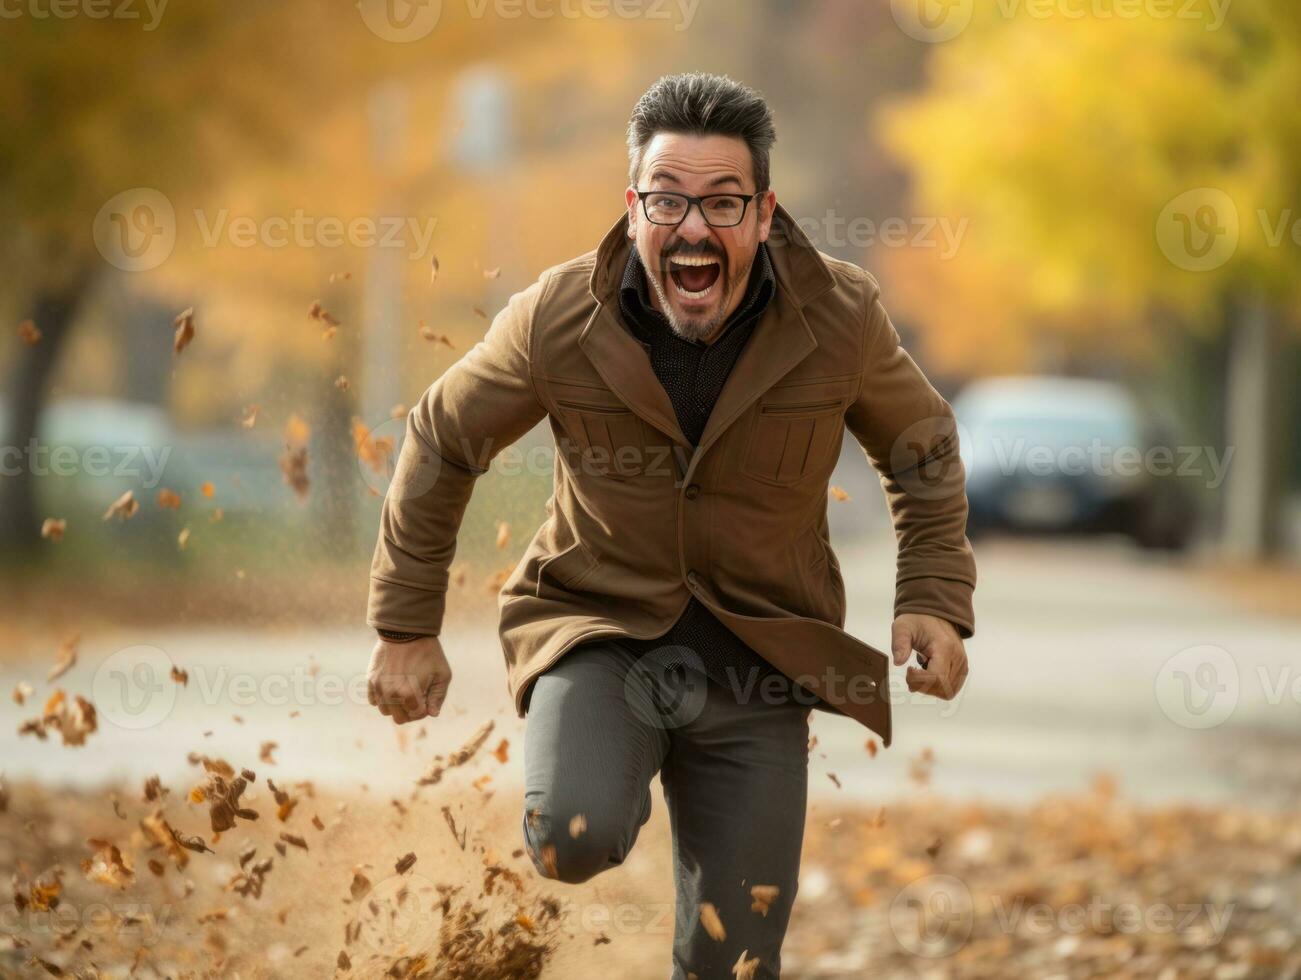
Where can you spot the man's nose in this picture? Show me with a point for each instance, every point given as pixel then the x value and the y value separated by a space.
pixel 694 228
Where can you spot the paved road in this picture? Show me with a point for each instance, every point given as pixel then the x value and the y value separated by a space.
pixel 1089 658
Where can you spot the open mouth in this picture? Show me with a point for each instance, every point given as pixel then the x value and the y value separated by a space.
pixel 694 275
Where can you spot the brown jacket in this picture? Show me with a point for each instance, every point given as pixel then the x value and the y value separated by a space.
pixel 638 521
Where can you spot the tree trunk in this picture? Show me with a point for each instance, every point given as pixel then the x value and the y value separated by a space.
pixel 1251 491
pixel 53 312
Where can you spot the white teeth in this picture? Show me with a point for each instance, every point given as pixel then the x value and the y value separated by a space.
pixel 694 260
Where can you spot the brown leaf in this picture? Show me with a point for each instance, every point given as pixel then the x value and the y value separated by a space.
pixel 184 323
pixel 66 659
pixel 169 499
pixel 712 923
pixel 54 528
pixel 250 416
pixel 124 507
pixel 838 494
pixel 29 333
pixel 764 896
pixel 433 268
pixel 405 863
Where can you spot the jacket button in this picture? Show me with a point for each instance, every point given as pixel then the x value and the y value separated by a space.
pixel 693 491
pixel 692 578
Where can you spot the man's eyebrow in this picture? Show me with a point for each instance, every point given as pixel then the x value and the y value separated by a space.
pixel 668 175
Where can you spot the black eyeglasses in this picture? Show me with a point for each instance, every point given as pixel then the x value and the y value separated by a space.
pixel 718 210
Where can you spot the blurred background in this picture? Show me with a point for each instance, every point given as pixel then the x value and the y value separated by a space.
pixel 242 240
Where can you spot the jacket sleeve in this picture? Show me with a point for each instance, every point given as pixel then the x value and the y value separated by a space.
pixel 478 407
pixel 909 433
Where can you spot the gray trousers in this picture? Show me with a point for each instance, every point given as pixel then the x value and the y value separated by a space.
pixel 601 723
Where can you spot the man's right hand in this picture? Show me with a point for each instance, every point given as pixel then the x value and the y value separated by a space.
pixel 408 681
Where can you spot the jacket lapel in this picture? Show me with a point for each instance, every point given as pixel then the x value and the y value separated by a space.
pixel 781 338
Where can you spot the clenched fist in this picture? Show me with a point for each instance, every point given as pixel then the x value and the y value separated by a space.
pixel 940 653
pixel 408 681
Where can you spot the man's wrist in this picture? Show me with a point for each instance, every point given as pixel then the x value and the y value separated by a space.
pixel 397 636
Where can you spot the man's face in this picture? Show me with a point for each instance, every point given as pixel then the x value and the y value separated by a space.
pixel 698 272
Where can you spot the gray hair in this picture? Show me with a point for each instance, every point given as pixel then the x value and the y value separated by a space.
pixel 699 104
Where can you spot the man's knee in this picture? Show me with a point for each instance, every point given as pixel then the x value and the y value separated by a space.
pixel 572 850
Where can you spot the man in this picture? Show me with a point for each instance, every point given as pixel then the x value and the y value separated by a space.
pixel 680 611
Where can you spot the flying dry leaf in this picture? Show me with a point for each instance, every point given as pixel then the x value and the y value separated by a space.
pixel 29 333
pixel 318 312
pixel 746 966
pixel 297 431
pixel 207 489
pixel 265 753
pixel 183 538
pixel 433 337
pixel 184 324
pixel 341 383
pixel 492 273
pixel 293 464
pixel 375 453
pixel 250 416
pixel 66 659
pixel 503 534
pixel 871 748
pixel 764 896
pixel 838 493
pixel 433 268
pixel 22 691
pixel 479 312
pixel 578 825
pixel 712 923
pixel 124 507
pixel 502 751
pixel 169 499
pixel 107 866
pixel 340 276
pixel 54 528
pixel 405 863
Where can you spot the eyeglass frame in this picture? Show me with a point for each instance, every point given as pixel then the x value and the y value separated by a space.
pixel 699 203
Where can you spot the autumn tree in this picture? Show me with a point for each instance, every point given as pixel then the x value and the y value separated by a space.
pixel 1135 170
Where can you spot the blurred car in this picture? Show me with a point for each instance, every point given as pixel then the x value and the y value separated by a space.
pixel 1070 455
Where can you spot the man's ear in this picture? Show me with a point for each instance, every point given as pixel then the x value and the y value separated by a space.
pixel 631 199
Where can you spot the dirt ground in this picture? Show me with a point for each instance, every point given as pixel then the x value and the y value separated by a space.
pixel 1071 887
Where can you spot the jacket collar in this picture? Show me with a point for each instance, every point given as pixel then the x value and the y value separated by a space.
pixel 781 338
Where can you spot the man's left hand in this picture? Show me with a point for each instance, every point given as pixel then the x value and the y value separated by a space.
pixel 940 653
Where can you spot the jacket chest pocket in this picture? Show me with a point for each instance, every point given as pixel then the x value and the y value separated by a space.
pixel 609 440
pixel 791 440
